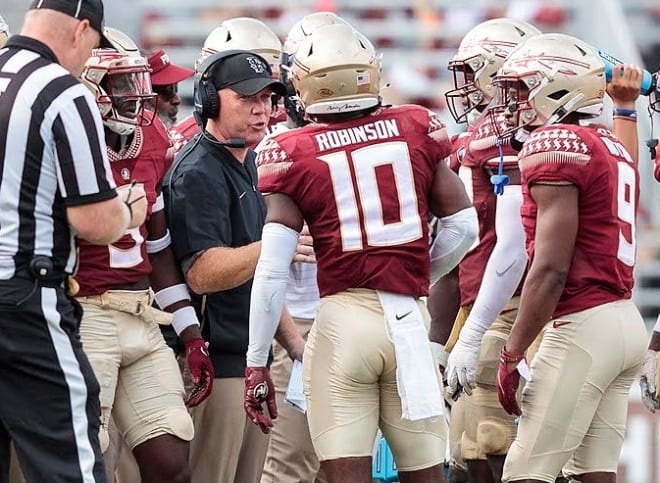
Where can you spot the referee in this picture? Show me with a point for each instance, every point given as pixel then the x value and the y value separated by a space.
pixel 55 183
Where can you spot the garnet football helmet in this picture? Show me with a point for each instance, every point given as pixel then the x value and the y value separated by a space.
pixel 480 54
pixel 122 87
pixel 547 78
pixel 336 70
pixel 244 33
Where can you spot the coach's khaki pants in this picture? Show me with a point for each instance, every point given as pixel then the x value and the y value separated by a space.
pixel 227 446
pixel 291 457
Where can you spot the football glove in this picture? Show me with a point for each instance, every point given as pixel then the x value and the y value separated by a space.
pixel 201 371
pixel 648 381
pixel 259 389
pixel 508 380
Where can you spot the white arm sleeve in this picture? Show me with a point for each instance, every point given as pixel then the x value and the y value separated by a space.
pixel 278 245
pixel 458 233
pixel 506 264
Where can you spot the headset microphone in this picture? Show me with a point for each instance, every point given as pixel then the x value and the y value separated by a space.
pixel 236 143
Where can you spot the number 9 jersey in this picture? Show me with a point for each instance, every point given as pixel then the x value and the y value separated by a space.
pixel 596 162
pixel 363 187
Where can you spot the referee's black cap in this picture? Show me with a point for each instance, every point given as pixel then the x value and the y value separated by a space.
pixel 91 10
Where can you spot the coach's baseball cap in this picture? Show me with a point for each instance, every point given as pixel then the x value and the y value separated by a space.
pixel 246 74
pixel 91 10
pixel 164 72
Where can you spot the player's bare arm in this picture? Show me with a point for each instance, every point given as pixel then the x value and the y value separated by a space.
pixel 288 337
pixel 557 213
pixel 624 90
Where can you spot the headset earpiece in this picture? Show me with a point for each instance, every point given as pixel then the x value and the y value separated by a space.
pixel 207 102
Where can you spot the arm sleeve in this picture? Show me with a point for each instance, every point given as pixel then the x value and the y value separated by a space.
pixel 506 264
pixel 457 235
pixel 278 245
pixel 84 174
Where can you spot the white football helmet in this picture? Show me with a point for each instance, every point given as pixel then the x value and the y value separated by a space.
pixel 480 54
pixel 244 33
pixel 4 32
pixel 121 42
pixel 335 70
pixel 300 30
pixel 305 26
pixel 547 78
pixel 122 87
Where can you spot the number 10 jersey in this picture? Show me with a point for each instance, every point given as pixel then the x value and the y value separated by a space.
pixel 363 187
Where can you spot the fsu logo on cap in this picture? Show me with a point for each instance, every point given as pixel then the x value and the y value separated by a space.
pixel 256 65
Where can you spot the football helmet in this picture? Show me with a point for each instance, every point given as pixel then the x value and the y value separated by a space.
pixel 4 32
pixel 244 33
pixel 547 78
pixel 121 42
pixel 122 87
pixel 480 54
pixel 336 70
pixel 301 29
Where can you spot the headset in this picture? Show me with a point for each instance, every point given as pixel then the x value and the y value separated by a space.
pixel 205 95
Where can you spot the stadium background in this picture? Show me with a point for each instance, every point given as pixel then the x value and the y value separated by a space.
pixel 417 38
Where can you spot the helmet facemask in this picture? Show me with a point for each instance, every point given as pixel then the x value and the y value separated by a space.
pixel 122 87
pixel 466 96
pixel 546 79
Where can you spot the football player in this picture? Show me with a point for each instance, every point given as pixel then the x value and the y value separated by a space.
pixel 139 377
pixel 491 271
pixel 291 456
pixel 240 33
pixel 580 194
pixel 365 177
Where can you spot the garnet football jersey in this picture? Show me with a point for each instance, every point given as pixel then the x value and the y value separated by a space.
pixel 596 162
pixel 363 187
pixel 125 261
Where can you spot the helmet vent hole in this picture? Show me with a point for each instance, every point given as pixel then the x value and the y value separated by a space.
pixel 520 31
pixel 228 36
pixel 558 94
pixel 582 51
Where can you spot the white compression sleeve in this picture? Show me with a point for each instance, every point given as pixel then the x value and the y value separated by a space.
pixel 454 239
pixel 278 245
pixel 506 264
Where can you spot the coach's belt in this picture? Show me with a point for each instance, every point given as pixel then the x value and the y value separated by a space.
pixel 135 302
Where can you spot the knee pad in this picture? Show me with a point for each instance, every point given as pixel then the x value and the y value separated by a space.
pixel 494 436
pixel 470 449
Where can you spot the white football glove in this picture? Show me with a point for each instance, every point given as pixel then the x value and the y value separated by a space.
pixel 462 364
pixel 648 381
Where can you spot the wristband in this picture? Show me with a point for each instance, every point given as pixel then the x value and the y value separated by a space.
pixel 509 358
pixel 183 318
pixel 171 295
pixel 622 112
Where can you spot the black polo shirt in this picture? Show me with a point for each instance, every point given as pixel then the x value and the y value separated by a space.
pixel 212 200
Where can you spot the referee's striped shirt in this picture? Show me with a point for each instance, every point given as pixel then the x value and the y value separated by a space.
pixel 52 155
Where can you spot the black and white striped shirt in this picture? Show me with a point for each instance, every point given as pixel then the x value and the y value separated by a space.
pixel 52 155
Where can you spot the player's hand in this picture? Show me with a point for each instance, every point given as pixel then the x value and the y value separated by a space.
pixel 134 196
pixel 647 381
pixel 305 249
pixel 462 363
pixel 201 371
pixel 508 380
pixel 259 389
pixel 625 86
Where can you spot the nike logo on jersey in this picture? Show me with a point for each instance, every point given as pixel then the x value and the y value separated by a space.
pixel 501 273
pixel 399 317
pixel 557 324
